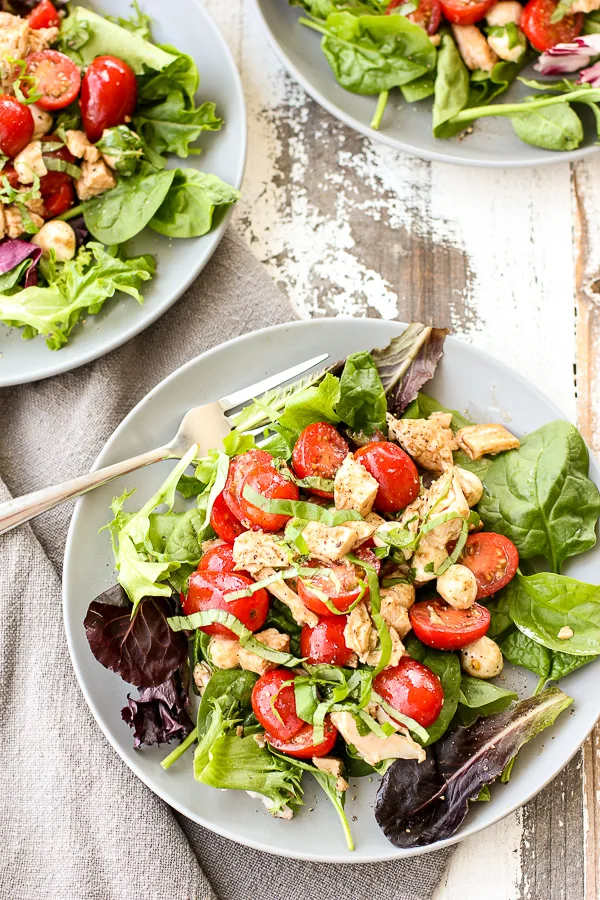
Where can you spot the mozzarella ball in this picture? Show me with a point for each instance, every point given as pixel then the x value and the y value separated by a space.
pixel 482 658
pixel 29 163
pixel 57 236
pixel 42 121
pixel 458 587
pixel 223 652
pixel 471 486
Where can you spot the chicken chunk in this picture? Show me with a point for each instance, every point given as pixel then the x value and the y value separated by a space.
pixel 482 659
pixel 458 587
pixel 374 749
pixel 14 39
pixel 41 38
pixel 365 528
pixel 506 11
pixel 78 144
pixel 283 592
pixel 444 496
pixel 270 637
pixel 374 657
pixel 474 48
pixel 354 487
pixel 332 766
pixel 42 121
pixel 29 163
pixel 223 652
pixel 253 550
pixel 429 442
pixel 585 6
pixel 480 440
pixel 395 603
pixel 328 543
pixel 14 221
pixel 471 486
pixel 96 178
pixel 202 675
pixel 360 633
pixel 3 225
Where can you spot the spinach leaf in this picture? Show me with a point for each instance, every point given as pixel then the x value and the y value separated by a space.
pixel 280 617
pixel 120 214
pixel 553 128
pixel 521 650
pixel 369 54
pixel 362 404
pixel 501 622
pixel 542 604
pixel 424 405
pixel 419 89
pixel 592 23
pixel 565 663
pixel 451 88
pixel 190 203
pixel 481 698
pixel 447 667
pixel 232 690
pixel 486 86
pixel 123 147
pixel 540 495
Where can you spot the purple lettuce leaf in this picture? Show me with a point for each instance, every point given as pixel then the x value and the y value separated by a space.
pixel 408 362
pixel 143 650
pixel 418 804
pixel 159 713
pixel 13 252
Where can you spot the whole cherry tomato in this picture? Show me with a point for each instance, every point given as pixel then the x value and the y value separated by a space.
pixel 206 590
pixel 44 15
pixel 57 79
pixel 412 689
pixel 302 744
pixel 219 559
pixel 239 467
pixel 325 642
pixel 465 12
pixel 441 626
pixel 339 582
pixel 270 484
pixel 394 471
pixel 108 95
pixel 16 125
pixel 224 522
pixel 493 560
pixel 319 452
pixel 275 705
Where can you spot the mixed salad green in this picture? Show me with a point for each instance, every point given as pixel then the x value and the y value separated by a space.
pixel 342 598
pixel 90 113
pixel 465 54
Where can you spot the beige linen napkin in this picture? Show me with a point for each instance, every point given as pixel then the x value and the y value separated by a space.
pixel 75 822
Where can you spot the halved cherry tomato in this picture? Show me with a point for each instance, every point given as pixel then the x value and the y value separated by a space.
pixel 325 642
pixel 338 581
pixel 53 180
pixel 16 125
pixel 10 173
pixel 543 33
pixel 465 12
pixel 412 689
pixel 302 744
pixel 395 473
pixel 457 628
pixel 319 452
pixel 275 706
pixel 44 15
pixel 427 14
pixel 206 590
pixel 493 560
pixel 224 522
pixel 219 559
pixel 366 555
pixel 108 95
pixel 57 78
pixel 270 484
pixel 59 201
pixel 239 467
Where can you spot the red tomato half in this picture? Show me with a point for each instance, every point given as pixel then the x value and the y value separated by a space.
pixel 16 125
pixel 206 591
pixel 59 201
pixel 319 451
pixel 43 16
pixel 108 95
pixel 57 78
pixel 302 745
pixel 427 14
pixel 366 555
pixel 275 706
pixel 543 33
pixel 412 689
pixel 224 522
pixel 269 483
pixel 493 560
pixel 52 181
pixel 395 473
pixel 458 627
pixel 465 12
pixel 325 642
pixel 239 467
pixel 341 586
pixel 219 559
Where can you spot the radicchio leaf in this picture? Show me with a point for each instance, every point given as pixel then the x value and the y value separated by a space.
pixel 143 650
pixel 408 362
pixel 160 713
pixel 418 804
pixel 570 57
pixel 13 252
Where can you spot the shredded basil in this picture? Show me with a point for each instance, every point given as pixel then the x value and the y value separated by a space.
pixel 61 165
pixel 311 482
pixel 265 582
pixel 301 509
pixel 409 723
pixel 385 640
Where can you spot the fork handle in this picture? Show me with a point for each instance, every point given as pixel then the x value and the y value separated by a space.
pixel 22 509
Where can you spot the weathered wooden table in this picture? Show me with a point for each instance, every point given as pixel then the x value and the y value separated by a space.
pixel 510 260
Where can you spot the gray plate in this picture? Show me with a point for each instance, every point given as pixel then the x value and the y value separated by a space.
pixel 187 26
pixel 405 126
pixel 467 380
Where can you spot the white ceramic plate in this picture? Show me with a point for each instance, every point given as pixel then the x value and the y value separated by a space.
pixel 405 126
pixel 187 26
pixel 466 379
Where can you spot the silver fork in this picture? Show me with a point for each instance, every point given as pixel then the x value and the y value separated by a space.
pixel 205 425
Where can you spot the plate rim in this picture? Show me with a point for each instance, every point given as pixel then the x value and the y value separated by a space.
pixel 565 156
pixel 394 853
pixel 216 236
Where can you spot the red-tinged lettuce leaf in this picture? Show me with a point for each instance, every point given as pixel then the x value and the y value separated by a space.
pixel 143 650
pixel 418 804
pixel 13 252
pixel 160 713
pixel 408 362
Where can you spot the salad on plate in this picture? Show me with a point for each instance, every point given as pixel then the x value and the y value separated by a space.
pixel 465 54
pixel 90 111
pixel 339 598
